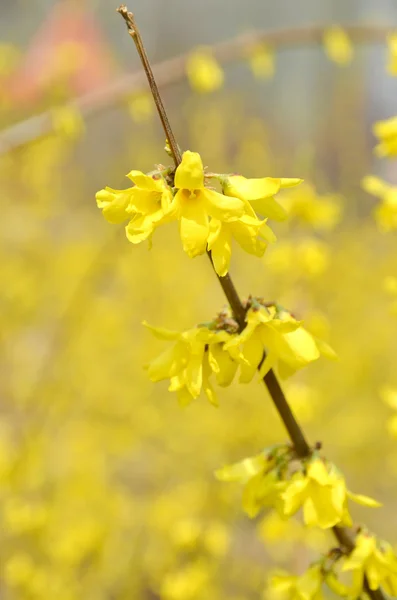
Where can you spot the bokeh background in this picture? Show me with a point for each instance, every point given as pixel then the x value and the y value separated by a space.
pixel 107 487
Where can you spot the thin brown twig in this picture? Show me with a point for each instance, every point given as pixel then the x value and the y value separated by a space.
pixel 173 70
pixel 136 36
pixel 344 536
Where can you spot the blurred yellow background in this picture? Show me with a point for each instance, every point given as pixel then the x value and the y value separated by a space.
pixel 107 487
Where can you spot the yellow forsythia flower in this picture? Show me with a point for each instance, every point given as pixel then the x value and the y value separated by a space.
pixel 208 220
pixel 194 203
pixel 203 70
pixel 282 586
pixel 386 212
pixel 259 193
pixel 305 205
pixel 148 203
pixel 337 45
pixel 250 233
pixel 263 485
pixel 392 54
pixel 386 131
pixel 195 355
pixel 288 346
pixel 261 61
pixel 321 491
pixel 317 487
pixel 374 559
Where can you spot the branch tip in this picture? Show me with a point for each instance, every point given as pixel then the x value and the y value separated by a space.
pixel 128 18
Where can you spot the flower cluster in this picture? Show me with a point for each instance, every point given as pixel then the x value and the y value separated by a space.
pixel 272 331
pixel 375 560
pixel 208 220
pixel 275 479
pixel 193 357
pixel 272 337
pixel 371 558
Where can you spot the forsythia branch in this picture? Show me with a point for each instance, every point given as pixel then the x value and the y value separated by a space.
pixel 344 535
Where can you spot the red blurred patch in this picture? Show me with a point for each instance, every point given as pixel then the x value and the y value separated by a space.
pixel 69 51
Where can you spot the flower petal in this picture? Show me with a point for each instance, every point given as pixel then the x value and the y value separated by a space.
pixel 268 207
pixel 114 204
pixel 223 208
pixel 297 348
pixel 207 387
pixel 194 374
pixel 325 349
pixel 168 363
pixel 221 249
pixel 184 397
pixel 317 470
pixel 193 227
pixel 364 547
pixel 364 500
pixel 145 182
pixel 287 182
pixel 294 495
pixel 144 201
pixel 251 189
pixel 268 363
pixel 253 354
pixel 222 364
pixel 161 332
pixel 246 236
pixel 318 509
pixel 142 227
pixel 190 173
